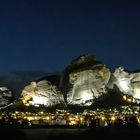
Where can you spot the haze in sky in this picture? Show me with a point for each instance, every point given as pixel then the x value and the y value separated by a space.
pixel 45 35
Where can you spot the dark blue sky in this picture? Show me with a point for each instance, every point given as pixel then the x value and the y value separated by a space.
pixel 45 35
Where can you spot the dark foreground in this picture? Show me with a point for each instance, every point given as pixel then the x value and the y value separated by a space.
pixel 65 134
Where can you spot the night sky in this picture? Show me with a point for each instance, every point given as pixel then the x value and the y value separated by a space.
pixel 45 35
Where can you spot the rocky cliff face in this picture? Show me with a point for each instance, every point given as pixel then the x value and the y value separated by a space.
pixel 128 82
pixel 42 93
pixel 6 96
pixel 84 81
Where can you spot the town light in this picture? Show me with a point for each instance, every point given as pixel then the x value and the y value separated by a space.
pixel 48 118
pixel 113 118
pixel 129 100
pixel 124 97
pixel 103 118
pixel 81 118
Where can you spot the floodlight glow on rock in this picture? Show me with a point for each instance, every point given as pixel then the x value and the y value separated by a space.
pixel 41 93
pixel 86 80
pixel 38 100
pixel 128 83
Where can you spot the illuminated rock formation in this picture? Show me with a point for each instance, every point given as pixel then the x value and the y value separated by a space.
pixel 128 83
pixel 6 96
pixel 42 93
pixel 84 81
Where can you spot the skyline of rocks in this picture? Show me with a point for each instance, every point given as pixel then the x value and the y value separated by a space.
pixel 82 82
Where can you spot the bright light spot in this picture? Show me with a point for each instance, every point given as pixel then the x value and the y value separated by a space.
pixel 124 97
pixel 103 118
pixel 30 118
pixel 81 118
pixel 86 95
pixel 136 112
pixel 70 118
pixel 136 93
pixel 124 85
pixel 76 117
pixel 24 101
pixel 48 118
pixel 52 117
pixel 27 104
pixel 36 105
pixel 138 119
pixel 129 100
pixel 73 122
pixel 35 118
pixel 39 100
pixel 113 118
pixel 41 112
